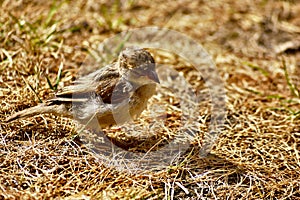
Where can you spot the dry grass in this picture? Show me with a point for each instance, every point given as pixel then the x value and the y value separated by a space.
pixel 255 45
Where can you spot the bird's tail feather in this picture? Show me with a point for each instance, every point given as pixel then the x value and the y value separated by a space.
pixel 39 109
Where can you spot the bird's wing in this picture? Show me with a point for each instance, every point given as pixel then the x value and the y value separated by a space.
pixel 99 84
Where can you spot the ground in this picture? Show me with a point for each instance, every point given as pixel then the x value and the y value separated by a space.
pixel 255 47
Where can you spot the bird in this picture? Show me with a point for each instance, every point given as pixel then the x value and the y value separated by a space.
pixel 114 94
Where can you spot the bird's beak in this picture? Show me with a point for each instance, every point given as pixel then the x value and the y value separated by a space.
pixel 152 75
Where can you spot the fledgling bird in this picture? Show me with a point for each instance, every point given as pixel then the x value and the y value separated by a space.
pixel 113 94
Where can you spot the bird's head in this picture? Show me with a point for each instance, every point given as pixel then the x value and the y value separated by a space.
pixel 137 66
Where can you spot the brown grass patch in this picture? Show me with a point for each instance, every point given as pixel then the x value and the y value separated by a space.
pixel 255 45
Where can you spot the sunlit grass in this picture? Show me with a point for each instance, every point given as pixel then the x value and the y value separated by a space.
pixel 44 45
